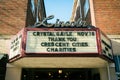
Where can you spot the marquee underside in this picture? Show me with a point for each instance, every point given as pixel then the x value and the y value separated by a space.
pixel 60 62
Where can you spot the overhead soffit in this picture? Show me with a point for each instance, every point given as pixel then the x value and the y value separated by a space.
pixel 60 62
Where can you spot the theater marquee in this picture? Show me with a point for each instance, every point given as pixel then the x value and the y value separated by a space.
pixel 34 42
pixel 61 42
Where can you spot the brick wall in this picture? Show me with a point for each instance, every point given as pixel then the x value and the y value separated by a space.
pixel 12 16
pixel 107 16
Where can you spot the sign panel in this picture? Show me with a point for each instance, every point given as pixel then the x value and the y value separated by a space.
pixel 15 46
pixel 106 46
pixel 61 42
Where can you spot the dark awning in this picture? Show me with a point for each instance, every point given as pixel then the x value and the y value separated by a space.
pixel 3 59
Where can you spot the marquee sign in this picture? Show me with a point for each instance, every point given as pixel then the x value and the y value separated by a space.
pixel 15 45
pixel 64 41
pixel 106 46
pixel 61 42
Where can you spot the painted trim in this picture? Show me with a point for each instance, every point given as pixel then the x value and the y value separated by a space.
pixel 114 36
pixel 92 13
pixel 108 71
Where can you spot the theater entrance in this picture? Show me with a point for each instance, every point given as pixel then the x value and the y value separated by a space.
pixel 58 74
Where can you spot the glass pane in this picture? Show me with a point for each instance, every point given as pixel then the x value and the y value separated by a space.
pixel 61 9
pixel 117 63
pixel 86 7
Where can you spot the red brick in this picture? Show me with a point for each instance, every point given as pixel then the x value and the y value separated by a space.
pixel 107 16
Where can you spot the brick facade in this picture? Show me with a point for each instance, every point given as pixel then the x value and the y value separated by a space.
pixel 107 16
pixel 12 16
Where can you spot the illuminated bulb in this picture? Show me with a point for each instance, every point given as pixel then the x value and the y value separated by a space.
pixel 59 71
pixel 49 74
pixel 65 76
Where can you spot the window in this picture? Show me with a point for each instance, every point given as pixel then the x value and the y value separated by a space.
pixel 117 63
pixel 86 7
pixel 32 6
pixel 81 10
pixel 36 11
